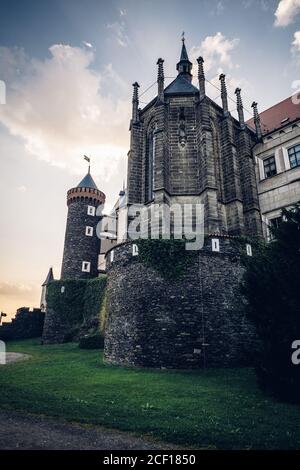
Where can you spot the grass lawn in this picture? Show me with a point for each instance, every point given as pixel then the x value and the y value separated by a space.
pixel 214 408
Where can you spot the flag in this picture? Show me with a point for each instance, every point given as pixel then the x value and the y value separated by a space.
pixel 86 158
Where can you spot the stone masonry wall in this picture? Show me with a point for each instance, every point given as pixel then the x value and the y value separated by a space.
pixel 26 324
pixel 194 321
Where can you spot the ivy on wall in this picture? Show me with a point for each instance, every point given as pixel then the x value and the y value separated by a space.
pixel 93 300
pixel 169 257
pixel 77 305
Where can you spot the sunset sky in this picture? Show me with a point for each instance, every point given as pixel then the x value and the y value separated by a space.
pixel 68 66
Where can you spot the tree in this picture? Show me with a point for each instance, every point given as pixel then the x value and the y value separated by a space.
pixel 272 288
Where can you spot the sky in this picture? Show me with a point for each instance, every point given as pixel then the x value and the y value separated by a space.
pixel 68 68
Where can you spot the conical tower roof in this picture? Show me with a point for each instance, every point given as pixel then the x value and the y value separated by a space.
pixel 87 182
pixel 49 277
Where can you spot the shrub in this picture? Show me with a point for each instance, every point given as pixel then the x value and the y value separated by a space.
pixel 271 285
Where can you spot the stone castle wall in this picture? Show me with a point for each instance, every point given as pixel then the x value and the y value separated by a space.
pixel 26 324
pixel 194 321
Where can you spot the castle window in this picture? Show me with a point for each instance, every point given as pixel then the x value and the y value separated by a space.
pixel 135 250
pixel 249 249
pixel 294 156
pixel 89 231
pixel 112 256
pixel 270 167
pixel 150 162
pixel 86 266
pixel 215 244
pixel 91 210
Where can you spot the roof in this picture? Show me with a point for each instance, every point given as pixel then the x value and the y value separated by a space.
pixel 181 85
pixel 184 55
pixel 278 116
pixel 87 182
pixel 49 277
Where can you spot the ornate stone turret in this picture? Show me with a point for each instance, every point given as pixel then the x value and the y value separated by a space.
pixel 135 103
pixel 82 246
pixel 240 109
pixel 224 94
pixel 256 120
pixel 184 66
pixel 201 78
pixel 160 80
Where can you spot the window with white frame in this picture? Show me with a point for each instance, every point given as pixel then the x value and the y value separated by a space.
pixel 135 250
pixel 86 266
pixel 270 166
pixel 294 156
pixel 89 231
pixel 215 244
pixel 91 210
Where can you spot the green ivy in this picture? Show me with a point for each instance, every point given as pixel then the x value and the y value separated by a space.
pixel 169 257
pixel 80 306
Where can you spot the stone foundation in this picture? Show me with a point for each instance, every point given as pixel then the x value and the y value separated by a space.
pixel 194 321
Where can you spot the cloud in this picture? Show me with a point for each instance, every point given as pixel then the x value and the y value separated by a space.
pixel 218 8
pixel 16 290
pixel 295 49
pixel 58 108
pixel 286 12
pixel 216 51
pixel 22 189
pixel 118 29
pixel 87 44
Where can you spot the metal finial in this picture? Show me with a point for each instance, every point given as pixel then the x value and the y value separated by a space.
pixel 182 36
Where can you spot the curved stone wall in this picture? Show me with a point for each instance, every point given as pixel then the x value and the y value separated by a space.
pixel 194 321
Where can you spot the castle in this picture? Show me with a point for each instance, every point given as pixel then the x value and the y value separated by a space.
pixel 184 149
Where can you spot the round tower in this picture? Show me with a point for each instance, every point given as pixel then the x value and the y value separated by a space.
pixel 82 246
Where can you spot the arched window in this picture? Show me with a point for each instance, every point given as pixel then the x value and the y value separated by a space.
pixel 150 163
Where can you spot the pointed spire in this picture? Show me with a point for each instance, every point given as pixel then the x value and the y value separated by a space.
pixel 256 119
pixel 183 55
pixel 135 103
pixel 184 66
pixel 224 94
pixel 239 107
pixel 160 80
pixel 201 77
pixel 49 277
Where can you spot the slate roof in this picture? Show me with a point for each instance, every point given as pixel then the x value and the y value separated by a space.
pixel 49 277
pixel 181 85
pixel 279 115
pixel 87 182
pixel 184 55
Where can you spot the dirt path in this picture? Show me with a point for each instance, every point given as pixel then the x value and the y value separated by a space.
pixel 20 430
pixel 14 357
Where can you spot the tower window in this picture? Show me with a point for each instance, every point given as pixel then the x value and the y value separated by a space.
pixel 249 249
pixel 91 210
pixel 86 266
pixel 294 156
pixel 135 250
pixel 215 244
pixel 270 167
pixel 150 163
pixel 89 231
